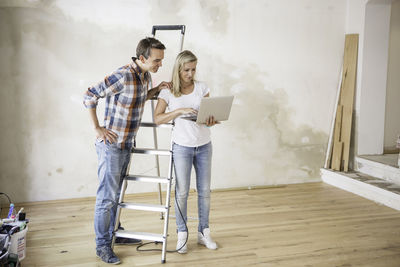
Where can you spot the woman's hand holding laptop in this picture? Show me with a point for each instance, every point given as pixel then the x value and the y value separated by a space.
pixel 211 121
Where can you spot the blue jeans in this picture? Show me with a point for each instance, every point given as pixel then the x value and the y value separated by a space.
pixel 113 164
pixel 200 158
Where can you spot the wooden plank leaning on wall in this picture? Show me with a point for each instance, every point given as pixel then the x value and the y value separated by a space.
pixel 343 118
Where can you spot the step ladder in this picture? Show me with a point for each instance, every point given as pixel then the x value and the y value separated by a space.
pixel 162 208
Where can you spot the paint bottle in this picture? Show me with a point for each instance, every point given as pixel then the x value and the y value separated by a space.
pixel 11 212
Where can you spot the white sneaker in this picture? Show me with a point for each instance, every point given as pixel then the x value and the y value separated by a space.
pixel 206 240
pixel 182 236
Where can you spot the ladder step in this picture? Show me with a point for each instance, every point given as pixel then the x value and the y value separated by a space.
pixel 152 151
pixel 139 235
pixel 151 124
pixel 143 206
pixel 147 178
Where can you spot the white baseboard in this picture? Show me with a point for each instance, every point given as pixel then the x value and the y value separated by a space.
pixel 365 190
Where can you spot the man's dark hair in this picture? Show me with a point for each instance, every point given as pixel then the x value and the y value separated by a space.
pixel 144 46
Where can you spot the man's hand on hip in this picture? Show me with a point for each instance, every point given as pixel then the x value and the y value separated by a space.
pixel 105 134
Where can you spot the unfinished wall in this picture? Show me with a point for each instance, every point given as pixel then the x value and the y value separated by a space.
pixel 392 121
pixel 281 60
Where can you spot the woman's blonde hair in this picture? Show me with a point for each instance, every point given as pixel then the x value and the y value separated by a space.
pixel 183 57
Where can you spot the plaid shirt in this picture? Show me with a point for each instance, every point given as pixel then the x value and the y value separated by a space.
pixel 125 91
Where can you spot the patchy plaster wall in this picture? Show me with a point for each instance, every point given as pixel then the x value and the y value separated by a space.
pixel 281 60
pixel 392 122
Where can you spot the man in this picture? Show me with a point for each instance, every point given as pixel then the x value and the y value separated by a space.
pixel 125 92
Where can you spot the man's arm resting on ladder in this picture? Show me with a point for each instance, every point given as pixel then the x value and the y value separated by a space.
pixel 152 92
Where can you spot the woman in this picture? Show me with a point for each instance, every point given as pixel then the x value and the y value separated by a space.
pixel 191 145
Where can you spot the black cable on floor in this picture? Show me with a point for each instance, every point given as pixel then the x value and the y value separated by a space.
pixel 156 242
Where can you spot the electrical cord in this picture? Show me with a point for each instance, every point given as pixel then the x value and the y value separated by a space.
pixel 157 242
pixel 9 200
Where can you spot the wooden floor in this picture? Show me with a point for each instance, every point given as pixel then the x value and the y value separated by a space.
pixel 297 225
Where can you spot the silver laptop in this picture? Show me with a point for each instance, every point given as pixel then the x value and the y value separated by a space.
pixel 219 107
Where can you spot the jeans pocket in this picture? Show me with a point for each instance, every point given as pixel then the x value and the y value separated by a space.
pixel 98 141
pixel 178 148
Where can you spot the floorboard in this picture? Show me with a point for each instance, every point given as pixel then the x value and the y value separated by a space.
pixel 311 224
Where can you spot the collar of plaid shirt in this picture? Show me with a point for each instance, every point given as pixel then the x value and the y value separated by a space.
pixel 138 70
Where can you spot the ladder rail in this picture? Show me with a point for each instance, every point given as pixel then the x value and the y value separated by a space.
pixel 182 28
pixel 120 200
pixel 155 140
pixel 168 199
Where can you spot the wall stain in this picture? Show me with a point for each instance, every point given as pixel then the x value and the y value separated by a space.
pixel 264 141
pixel 168 6
pixel 166 12
pixel 215 15
pixel 14 155
pixel 34 40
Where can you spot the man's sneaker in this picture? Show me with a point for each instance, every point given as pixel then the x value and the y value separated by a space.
pixel 107 255
pixel 126 241
pixel 181 245
pixel 206 240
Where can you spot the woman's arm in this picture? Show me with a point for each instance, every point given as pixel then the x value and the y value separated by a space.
pixel 152 92
pixel 161 117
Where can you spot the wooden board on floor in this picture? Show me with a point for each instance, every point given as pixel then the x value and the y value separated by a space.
pixel 337 159
pixel 347 97
pixel 337 144
pixel 347 94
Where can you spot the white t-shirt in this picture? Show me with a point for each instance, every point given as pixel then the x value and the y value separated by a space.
pixel 186 132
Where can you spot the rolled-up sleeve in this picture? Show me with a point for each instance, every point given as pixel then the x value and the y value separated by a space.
pixel 111 85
